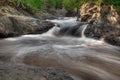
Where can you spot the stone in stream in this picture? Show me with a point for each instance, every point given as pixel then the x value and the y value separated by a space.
pixel 11 26
pixel 13 71
pixel 75 31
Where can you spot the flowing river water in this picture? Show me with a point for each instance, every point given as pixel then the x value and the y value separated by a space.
pixel 84 58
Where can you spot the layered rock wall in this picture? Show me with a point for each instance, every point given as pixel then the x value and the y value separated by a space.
pixel 97 14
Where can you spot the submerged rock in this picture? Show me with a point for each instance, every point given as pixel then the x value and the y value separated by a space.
pixel 13 71
pixel 75 31
pixel 18 25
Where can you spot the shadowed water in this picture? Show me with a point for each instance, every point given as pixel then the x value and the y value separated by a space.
pixel 84 58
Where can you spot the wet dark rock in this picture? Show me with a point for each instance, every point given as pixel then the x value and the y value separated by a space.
pixel 13 71
pixel 113 40
pixel 19 25
pixel 108 33
pixel 72 31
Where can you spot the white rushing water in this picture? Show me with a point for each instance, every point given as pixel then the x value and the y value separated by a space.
pixel 84 58
pixel 84 28
pixel 65 22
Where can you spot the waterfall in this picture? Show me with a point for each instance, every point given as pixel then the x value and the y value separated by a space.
pixel 69 27
pixel 52 32
pixel 83 31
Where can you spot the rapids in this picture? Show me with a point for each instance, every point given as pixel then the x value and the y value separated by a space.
pixel 84 58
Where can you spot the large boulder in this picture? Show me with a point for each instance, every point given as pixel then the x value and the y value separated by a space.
pixel 15 22
pixel 19 25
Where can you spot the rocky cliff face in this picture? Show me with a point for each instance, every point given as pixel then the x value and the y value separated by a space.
pixel 99 14
pixel 104 22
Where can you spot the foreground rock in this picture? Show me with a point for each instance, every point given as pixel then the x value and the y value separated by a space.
pixel 19 25
pixel 23 72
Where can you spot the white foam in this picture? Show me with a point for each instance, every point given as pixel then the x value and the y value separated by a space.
pixel 68 46
pixel 31 36
pixel 51 32
pixel 12 39
pixel 65 22
pixel 83 31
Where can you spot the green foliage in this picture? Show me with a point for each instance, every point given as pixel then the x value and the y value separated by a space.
pixel 31 3
pixel 69 5
pixel 43 4
pixel 50 3
pixel 72 4
pixel 97 2
pixel 59 4
pixel 116 3
pixel 54 4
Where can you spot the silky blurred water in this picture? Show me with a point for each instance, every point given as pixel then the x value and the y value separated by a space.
pixel 84 58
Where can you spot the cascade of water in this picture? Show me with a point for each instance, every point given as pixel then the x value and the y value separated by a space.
pixel 83 31
pixel 65 22
pixel 52 32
